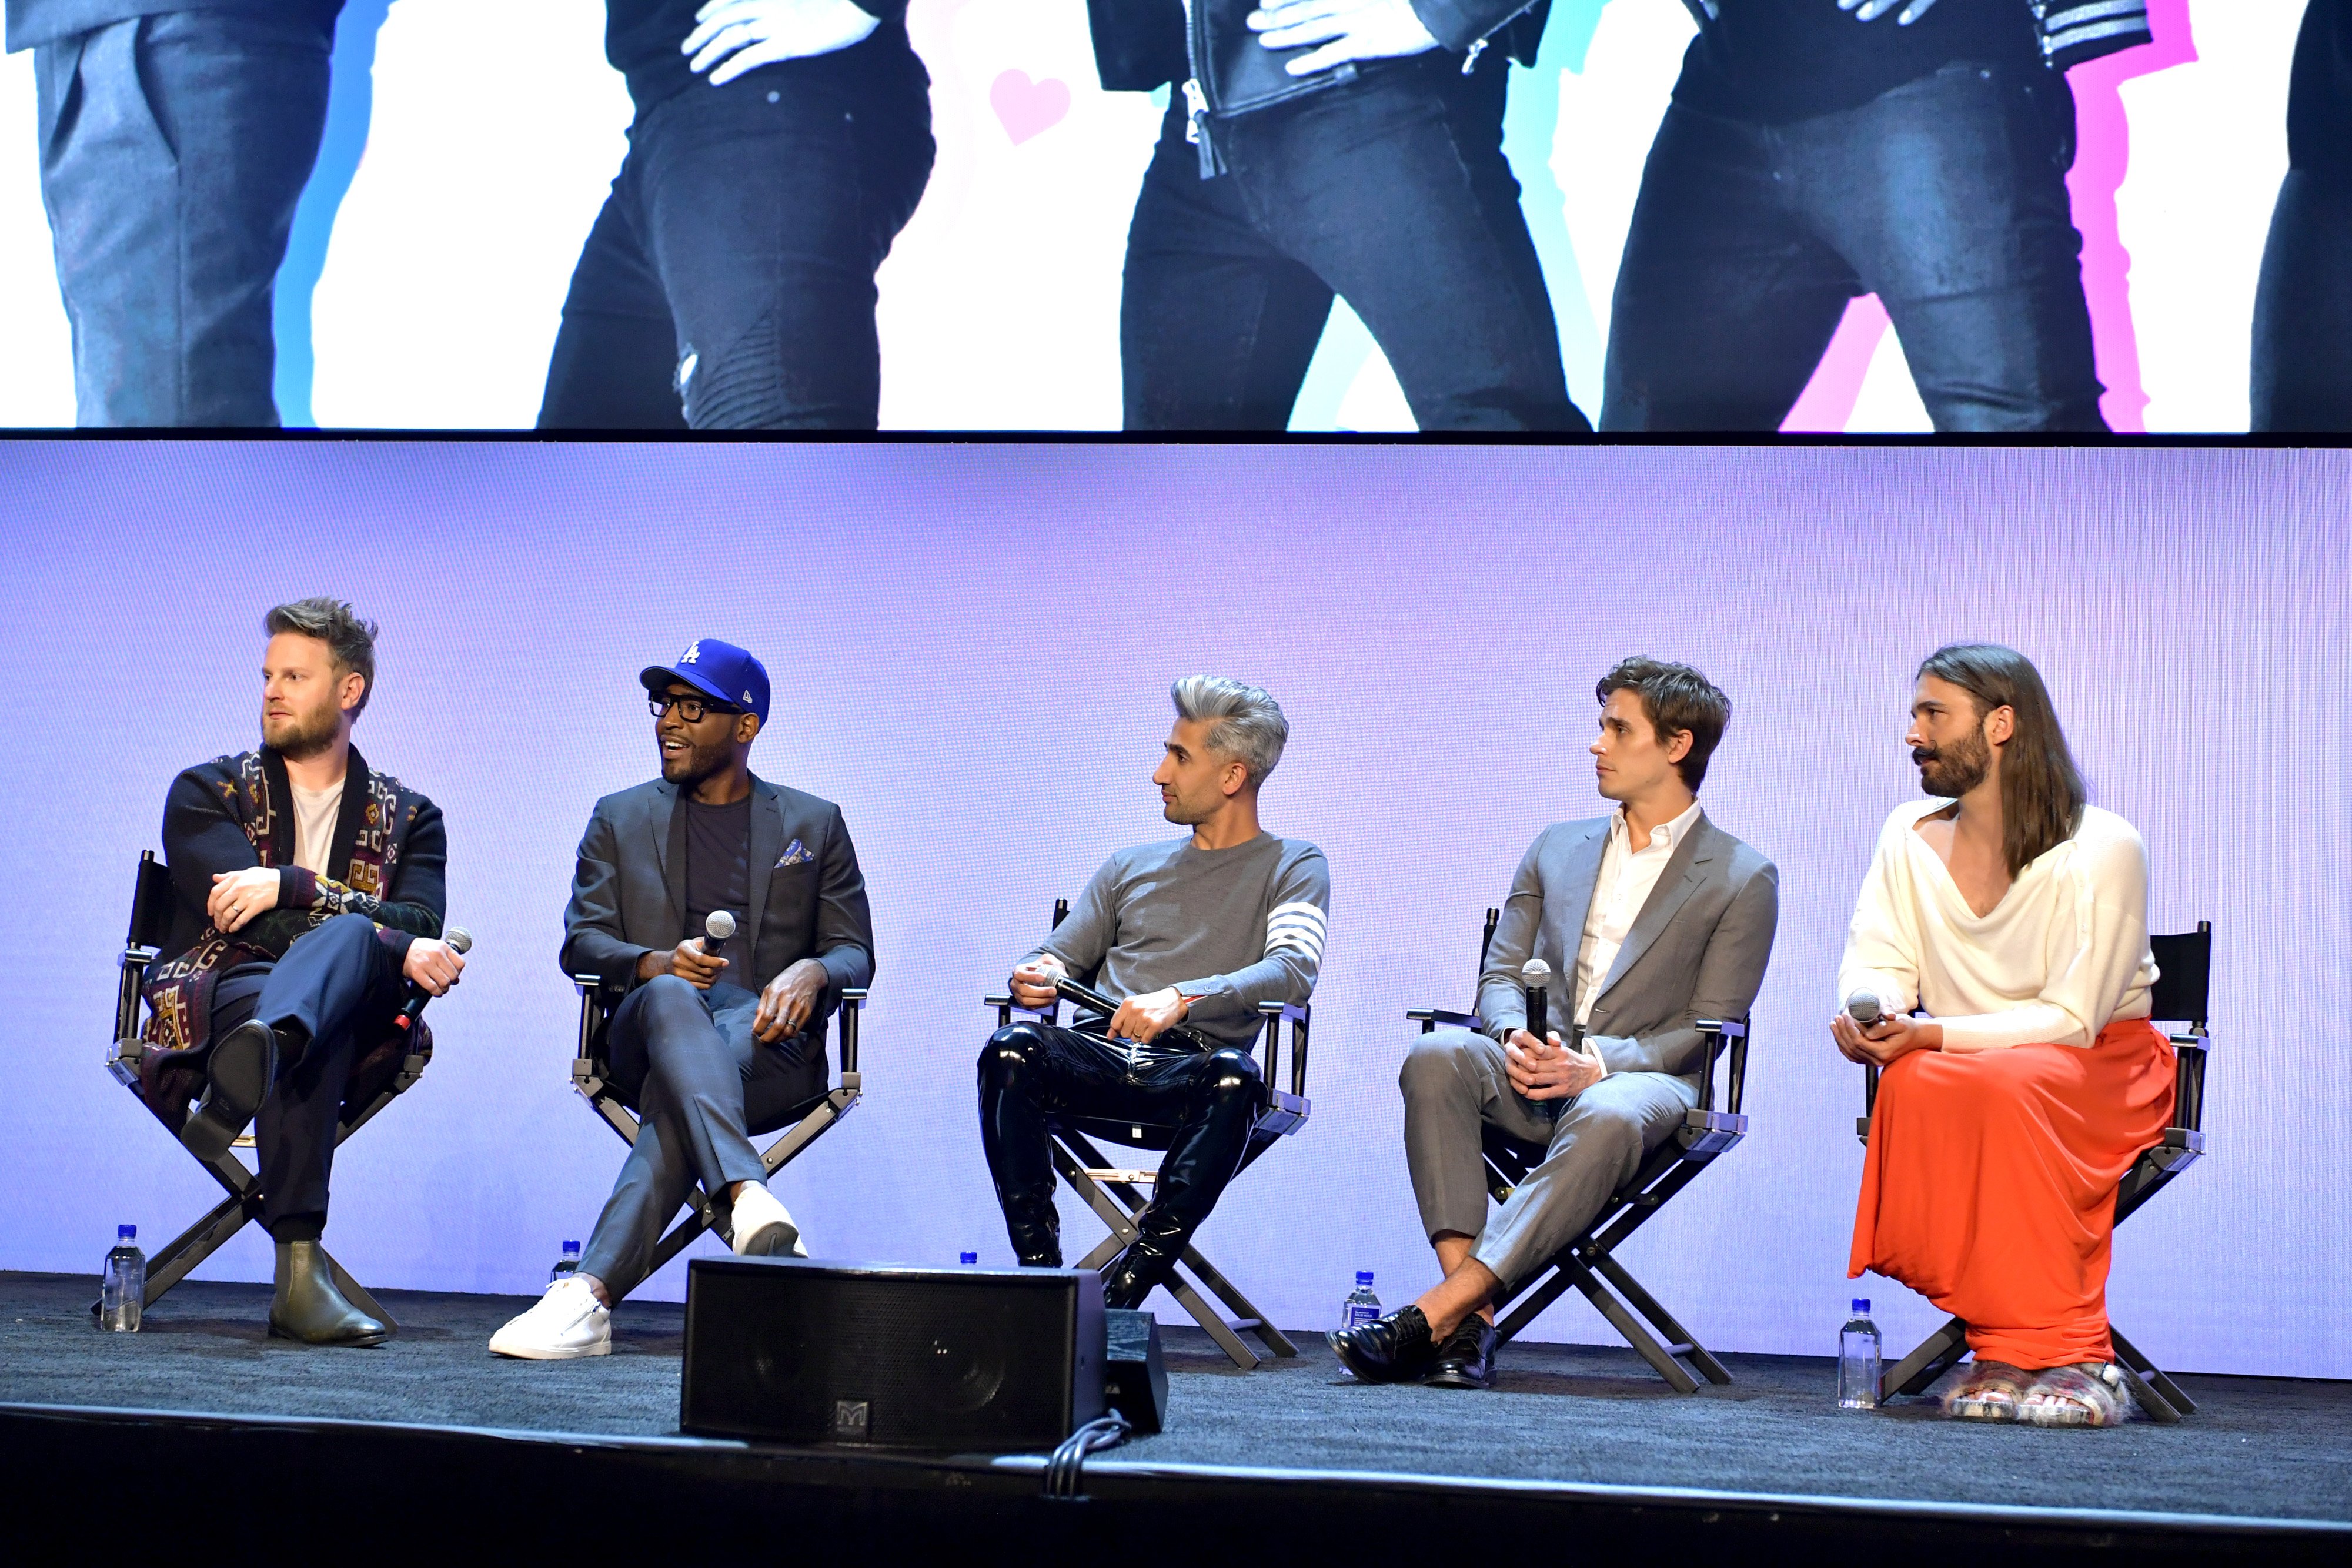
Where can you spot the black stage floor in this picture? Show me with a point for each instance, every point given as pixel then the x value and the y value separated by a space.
pixel 1575 1437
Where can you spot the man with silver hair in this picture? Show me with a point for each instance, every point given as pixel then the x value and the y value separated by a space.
pixel 1188 935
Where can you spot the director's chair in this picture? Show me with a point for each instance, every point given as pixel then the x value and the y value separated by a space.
pixel 591 1075
pixel 1589 1263
pixel 2184 965
pixel 1114 1193
pixel 377 1079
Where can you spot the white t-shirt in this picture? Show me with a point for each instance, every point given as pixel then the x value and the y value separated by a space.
pixel 2062 955
pixel 315 812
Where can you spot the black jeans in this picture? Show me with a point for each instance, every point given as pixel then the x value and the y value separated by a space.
pixel 1392 190
pixel 728 282
pixel 1030 1072
pixel 1946 197
pixel 687 1064
pixel 173 149
pixel 2303 309
pixel 342 985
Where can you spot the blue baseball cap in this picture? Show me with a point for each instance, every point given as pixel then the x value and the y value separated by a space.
pixel 720 671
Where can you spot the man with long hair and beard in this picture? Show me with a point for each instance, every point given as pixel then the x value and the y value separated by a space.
pixel 309 891
pixel 2011 916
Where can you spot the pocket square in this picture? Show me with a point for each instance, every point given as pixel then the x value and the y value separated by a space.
pixel 795 853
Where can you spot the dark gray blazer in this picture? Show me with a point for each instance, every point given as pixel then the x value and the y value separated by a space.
pixel 629 894
pixel 1696 950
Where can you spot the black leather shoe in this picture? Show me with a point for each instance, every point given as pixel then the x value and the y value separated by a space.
pixel 1147 1261
pixel 1391 1349
pixel 306 1305
pixel 238 1073
pixel 1466 1359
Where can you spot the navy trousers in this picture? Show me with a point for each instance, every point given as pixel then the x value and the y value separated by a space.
pixel 341 985
pixel 685 1062
pixel 174 149
pixel 1946 197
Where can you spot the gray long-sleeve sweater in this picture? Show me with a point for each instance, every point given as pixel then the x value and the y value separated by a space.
pixel 1229 927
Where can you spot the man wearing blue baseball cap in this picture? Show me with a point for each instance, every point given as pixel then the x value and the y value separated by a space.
pixel 709 1050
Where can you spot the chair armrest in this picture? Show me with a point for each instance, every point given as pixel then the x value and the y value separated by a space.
pixel 1430 1018
pixel 853 1006
pixel 1290 1011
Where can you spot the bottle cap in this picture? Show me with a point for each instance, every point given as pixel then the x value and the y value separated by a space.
pixel 1363 1276
pixel 126 1232
pixel 570 1247
pixel 1860 1305
pixel 967 1258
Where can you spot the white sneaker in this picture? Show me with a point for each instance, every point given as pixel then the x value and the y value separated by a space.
pixel 763 1226
pixel 567 1321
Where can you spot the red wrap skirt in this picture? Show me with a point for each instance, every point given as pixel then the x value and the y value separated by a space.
pixel 1989 1187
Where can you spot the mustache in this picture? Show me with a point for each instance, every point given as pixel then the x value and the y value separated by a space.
pixel 1922 756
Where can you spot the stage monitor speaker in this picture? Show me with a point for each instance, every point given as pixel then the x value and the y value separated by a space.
pixel 1135 1378
pixel 952 1360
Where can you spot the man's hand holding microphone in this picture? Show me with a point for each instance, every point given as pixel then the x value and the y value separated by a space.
pixel 1541 1066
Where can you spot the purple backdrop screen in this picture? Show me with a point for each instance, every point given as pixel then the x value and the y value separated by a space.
pixel 972 649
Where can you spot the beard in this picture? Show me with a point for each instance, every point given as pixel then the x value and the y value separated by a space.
pixel 1950 772
pixel 305 735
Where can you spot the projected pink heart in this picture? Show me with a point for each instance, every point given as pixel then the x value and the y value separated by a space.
pixel 1027 107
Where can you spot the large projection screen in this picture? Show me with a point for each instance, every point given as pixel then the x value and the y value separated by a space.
pixel 470 142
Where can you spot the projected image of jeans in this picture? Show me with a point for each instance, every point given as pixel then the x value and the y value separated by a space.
pixel 2303 308
pixel 174 144
pixel 1811 156
pixel 1382 182
pixel 729 281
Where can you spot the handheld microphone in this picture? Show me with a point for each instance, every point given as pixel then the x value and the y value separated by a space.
pixel 1086 997
pixel 461 942
pixel 1535 978
pixel 719 926
pixel 1864 1008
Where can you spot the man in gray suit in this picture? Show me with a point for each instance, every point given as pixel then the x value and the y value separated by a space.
pixel 1658 918
pixel 705 1058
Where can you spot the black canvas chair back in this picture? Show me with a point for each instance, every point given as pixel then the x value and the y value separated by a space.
pixel 1589 1264
pixel 1115 1193
pixel 2183 987
pixel 376 1081
pixel 592 1076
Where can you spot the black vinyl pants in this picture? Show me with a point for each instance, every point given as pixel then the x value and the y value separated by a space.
pixel 341 985
pixel 1030 1072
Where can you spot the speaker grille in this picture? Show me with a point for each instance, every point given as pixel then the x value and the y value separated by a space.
pixel 809 1353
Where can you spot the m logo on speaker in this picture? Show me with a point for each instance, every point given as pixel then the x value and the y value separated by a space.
pixel 850 1420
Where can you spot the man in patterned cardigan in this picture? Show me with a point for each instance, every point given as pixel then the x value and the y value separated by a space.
pixel 309 894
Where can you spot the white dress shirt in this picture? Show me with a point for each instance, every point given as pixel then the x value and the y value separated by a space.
pixel 1628 875
pixel 2061 957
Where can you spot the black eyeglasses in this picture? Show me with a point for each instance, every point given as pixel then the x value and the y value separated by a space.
pixel 691 709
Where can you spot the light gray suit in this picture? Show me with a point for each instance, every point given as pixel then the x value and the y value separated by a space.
pixel 1696 950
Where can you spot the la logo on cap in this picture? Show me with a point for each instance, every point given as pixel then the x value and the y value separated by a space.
pixel 691 654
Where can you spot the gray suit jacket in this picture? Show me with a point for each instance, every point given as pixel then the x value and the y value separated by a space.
pixel 1696 950
pixel 628 893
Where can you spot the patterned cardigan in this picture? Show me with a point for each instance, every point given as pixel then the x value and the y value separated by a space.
pixel 235 813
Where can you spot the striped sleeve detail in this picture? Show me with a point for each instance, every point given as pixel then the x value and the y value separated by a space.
pixel 1295 925
pixel 2074 31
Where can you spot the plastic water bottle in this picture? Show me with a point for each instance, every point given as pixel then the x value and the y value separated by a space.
pixel 1361 1306
pixel 567 1265
pixel 124 1293
pixel 1858 1361
pixel 969 1260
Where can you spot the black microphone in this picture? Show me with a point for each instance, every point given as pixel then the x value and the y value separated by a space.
pixel 461 942
pixel 1864 1008
pixel 1535 978
pixel 716 929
